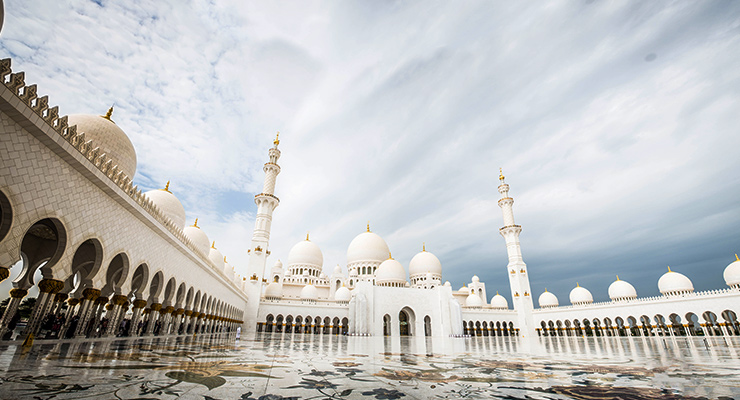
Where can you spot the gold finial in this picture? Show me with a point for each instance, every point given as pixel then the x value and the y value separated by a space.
pixel 669 269
pixel 617 277
pixel 277 139
pixel 307 235
pixel 213 245
pixel 501 174
pixel 577 285
pixel 195 224
pixel 390 257
pixel 423 246
pixel 224 259
pixel 167 187
pixel 545 290
pixel 497 292
pixel 736 257
pixel 108 114
pixel 368 226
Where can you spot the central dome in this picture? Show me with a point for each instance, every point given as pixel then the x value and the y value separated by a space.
pixel 425 262
pixel 390 272
pixel 306 252
pixel 367 246
pixel 111 139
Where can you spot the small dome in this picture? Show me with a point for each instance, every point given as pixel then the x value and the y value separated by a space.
pixel 622 290
pixel 198 237
pixel 367 246
pixel 547 300
pixel 322 276
pixel 674 283
pixel 732 274
pixel 111 139
pixel 476 279
pixel 448 284
pixel 216 257
pixel 463 289
pixel 473 300
pixel 342 295
pixel 499 302
pixel 337 270
pixel 274 291
pixel 306 252
pixel 581 295
pixel 425 262
pixel 278 265
pixel 390 271
pixel 169 205
pixel 228 269
pixel 309 293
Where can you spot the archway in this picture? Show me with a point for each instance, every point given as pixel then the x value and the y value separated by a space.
pixel 43 243
pixel 386 325
pixel 6 215
pixel 406 321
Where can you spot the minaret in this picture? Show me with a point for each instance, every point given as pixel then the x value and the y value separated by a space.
pixel 258 252
pixel 517 270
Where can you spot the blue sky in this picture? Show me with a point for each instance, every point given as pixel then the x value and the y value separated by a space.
pixel 615 123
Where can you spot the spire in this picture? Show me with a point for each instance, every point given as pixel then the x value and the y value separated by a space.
pixel 545 291
pixel 167 187
pixel 501 175
pixel 736 257
pixel 617 277
pixel 307 235
pixel 669 269
pixel 368 226
pixel 224 259
pixel 390 257
pixel 577 285
pixel 423 246
pixel 213 246
pixel 108 114
pixel 277 139
pixel 195 224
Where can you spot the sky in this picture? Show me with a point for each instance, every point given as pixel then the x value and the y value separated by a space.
pixel 615 123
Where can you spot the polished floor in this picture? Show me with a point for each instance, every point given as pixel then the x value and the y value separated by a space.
pixel 293 366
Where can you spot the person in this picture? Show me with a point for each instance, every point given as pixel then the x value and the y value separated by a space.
pixel 238 332
pixel 11 326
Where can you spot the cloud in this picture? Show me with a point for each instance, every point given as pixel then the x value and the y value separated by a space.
pixel 615 124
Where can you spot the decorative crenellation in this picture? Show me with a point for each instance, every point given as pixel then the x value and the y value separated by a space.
pixel 15 82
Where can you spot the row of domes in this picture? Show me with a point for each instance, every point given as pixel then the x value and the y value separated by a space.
pixel 670 284
pixel 116 145
pixel 368 247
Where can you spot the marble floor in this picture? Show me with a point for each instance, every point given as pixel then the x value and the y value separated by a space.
pixel 297 366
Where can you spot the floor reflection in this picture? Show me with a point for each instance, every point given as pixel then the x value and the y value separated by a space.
pixel 328 366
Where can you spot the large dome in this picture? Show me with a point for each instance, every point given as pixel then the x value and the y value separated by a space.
pixel 168 204
pixel 112 141
pixel 216 257
pixel 580 295
pixel 390 272
pixel 305 252
pixel 425 262
pixel 732 274
pixel 499 302
pixel 367 246
pixel 622 290
pixel 547 300
pixel 309 293
pixel 198 237
pixel 342 295
pixel 473 300
pixel 274 291
pixel 674 283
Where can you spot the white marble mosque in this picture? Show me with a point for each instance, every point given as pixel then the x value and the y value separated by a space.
pixel 116 261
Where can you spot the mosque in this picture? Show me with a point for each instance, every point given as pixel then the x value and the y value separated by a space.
pixel 116 260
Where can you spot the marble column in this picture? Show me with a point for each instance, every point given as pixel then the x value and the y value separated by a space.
pixel 177 315
pixel 72 303
pixel 48 288
pixel 167 311
pixel 89 296
pixel 16 295
pixel 115 314
pixel 96 315
pixel 154 316
pixel 59 301
pixel 136 317
pixel 187 320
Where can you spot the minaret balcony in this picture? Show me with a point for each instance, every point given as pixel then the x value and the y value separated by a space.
pixel 267 195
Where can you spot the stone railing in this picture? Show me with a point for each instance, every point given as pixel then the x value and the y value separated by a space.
pixel 15 82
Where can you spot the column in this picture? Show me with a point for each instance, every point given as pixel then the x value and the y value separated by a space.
pixel 16 295
pixel 115 314
pixel 48 288
pixel 165 330
pixel 69 317
pixel 136 317
pixel 186 321
pixel 177 320
pixel 89 296
pixel 154 317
